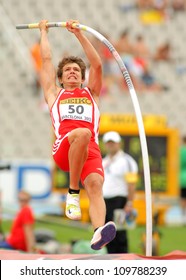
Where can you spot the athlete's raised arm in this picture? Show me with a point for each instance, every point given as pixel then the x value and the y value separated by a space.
pixel 95 74
pixel 48 72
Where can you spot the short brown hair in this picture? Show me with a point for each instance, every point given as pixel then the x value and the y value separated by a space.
pixel 71 59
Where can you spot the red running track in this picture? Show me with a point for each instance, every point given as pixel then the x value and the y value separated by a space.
pixel 16 255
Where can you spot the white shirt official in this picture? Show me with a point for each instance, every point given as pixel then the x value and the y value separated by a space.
pixel 116 169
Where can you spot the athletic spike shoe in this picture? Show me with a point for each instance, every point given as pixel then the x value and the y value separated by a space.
pixel 72 209
pixel 103 235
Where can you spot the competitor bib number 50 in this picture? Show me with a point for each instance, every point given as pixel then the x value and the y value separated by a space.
pixel 82 112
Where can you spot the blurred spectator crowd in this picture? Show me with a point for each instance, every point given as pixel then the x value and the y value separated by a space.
pixel 135 52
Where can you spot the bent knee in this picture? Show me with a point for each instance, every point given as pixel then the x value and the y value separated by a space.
pixel 93 184
pixel 81 134
pixel 85 134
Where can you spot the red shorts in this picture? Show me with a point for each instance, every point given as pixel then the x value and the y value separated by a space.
pixel 93 163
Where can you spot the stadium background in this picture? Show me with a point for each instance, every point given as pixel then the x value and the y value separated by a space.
pixel 25 131
pixel 24 128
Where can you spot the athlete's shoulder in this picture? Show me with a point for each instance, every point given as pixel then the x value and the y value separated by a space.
pixel 86 89
pixel 55 97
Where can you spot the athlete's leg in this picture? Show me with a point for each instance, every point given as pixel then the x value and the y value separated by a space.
pixel 78 152
pixel 97 210
pixel 79 139
pixel 103 233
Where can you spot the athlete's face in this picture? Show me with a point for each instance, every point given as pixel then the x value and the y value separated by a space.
pixel 71 75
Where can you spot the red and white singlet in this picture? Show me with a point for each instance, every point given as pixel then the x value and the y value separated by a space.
pixel 73 109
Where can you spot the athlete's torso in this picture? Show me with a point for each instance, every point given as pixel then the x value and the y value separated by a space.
pixel 74 109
